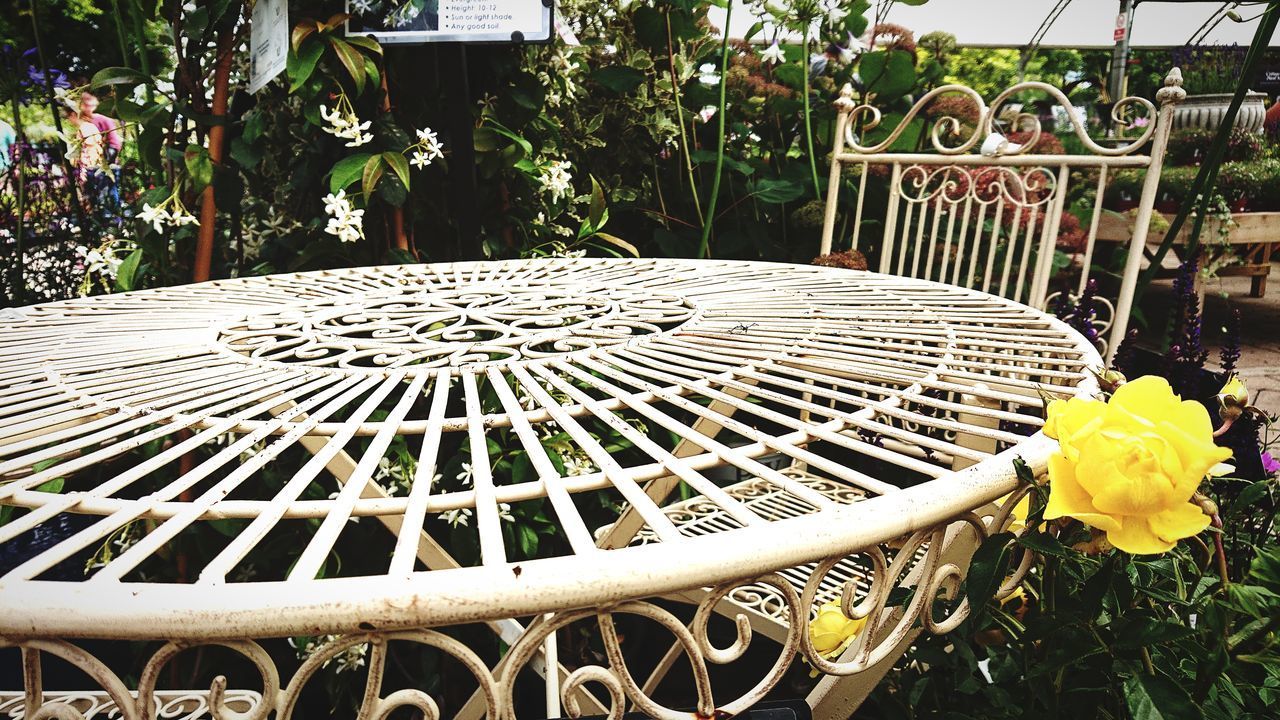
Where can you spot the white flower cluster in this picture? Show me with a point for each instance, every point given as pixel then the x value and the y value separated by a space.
pixel 99 260
pixel 171 212
pixel 48 271
pixel 404 15
pixel 816 12
pixel 461 516
pixel 556 179
pixel 353 658
pixel 344 221
pixel 427 148
pixel 562 86
pixel 344 123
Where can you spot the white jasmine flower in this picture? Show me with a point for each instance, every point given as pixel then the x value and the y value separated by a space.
pixel 504 513
pixel 456 517
pixel 465 476
pixel 556 180
pixel 346 223
pixel 157 217
pixel 360 6
pixel 427 148
pixel 343 122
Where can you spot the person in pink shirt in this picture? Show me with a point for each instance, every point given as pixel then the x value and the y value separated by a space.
pixel 105 125
pixel 102 185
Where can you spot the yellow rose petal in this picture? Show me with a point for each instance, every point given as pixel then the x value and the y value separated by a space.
pixel 1136 537
pixel 1181 522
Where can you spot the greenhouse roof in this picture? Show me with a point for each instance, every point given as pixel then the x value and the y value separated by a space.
pixel 1082 24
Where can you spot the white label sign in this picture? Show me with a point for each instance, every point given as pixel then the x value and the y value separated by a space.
pixel 268 42
pixel 423 21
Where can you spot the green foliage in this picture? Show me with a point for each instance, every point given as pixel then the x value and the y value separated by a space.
pixel 1094 633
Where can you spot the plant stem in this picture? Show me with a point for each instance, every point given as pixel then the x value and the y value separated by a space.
pixel 19 165
pixel 1220 553
pixel 704 246
pixel 684 139
pixel 119 23
pixel 808 122
pixel 57 118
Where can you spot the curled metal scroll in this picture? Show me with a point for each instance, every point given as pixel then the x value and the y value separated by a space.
pixel 867 117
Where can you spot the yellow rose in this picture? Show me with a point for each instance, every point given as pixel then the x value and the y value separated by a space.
pixel 1130 466
pixel 831 631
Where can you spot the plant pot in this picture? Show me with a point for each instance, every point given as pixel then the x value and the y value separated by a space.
pixel 1205 112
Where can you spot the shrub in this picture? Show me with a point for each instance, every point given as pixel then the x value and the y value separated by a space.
pixel 1187 147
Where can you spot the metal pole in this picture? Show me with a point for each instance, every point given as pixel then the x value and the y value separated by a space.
pixel 1120 54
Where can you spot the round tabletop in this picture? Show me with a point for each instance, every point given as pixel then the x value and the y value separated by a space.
pixel 423 445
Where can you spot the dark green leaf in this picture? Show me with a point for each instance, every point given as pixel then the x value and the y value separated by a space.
pixel 1146 632
pixel 199 167
pixel 108 77
pixel 988 568
pixel 619 78
pixel 373 170
pixel 398 164
pixel 352 60
pixel 889 74
pixel 777 191
pixel 599 211
pixel 1045 544
pixel 299 65
pixel 1155 697
pixel 125 274
pixel 346 171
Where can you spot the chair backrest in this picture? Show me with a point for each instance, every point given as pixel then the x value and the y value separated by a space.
pixel 974 209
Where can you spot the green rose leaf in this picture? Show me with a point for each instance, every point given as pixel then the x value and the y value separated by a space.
pixel 988 568
pixel 1155 697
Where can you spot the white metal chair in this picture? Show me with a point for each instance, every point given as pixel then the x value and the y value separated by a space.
pixel 985 213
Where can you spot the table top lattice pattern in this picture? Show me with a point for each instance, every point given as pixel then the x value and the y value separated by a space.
pixel 177 401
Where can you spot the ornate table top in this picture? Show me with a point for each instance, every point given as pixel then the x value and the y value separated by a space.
pixel 154 443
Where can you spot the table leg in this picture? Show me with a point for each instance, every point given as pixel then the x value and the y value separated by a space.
pixel 1258 285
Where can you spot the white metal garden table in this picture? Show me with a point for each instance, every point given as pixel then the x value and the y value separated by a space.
pixel 812 416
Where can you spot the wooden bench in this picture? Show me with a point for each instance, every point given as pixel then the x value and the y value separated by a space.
pixel 1253 239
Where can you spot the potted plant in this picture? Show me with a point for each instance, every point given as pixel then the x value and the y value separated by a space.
pixel 1211 73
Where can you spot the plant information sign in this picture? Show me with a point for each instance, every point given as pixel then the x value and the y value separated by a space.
pixel 469 21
